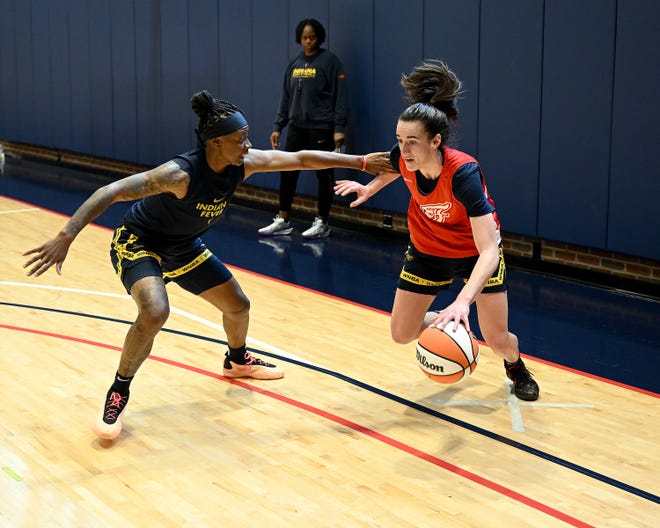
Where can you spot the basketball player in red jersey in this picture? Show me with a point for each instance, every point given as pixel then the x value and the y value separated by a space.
pixel 454 229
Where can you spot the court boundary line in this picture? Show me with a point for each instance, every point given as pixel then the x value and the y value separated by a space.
pixel 401 446
pixel 559 366
pixel 393 397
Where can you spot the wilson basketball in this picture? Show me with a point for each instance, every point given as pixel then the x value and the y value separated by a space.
pixel 447 356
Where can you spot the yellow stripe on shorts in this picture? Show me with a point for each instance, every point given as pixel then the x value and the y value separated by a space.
pixel 498 279
pixel 125 254
pixel 414 279
pixel 203 257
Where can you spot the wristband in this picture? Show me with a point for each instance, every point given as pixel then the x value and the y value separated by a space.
pixel 364 163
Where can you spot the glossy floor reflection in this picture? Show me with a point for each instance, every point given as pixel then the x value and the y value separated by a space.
pixel 598 331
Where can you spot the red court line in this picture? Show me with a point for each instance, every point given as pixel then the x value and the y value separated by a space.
pixel 482 481
pixel 526 356
pixel 371 308
pixel 596 377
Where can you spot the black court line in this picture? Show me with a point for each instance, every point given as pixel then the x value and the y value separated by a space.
pixel 403 401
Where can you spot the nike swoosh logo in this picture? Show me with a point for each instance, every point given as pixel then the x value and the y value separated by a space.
pixel 217 200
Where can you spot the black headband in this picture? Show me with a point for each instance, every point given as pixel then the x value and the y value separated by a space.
pixel 224 126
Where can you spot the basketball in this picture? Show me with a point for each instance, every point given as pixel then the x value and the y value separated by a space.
pixel 447 356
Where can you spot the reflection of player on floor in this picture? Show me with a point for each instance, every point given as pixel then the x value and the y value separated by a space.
pixel 454 230
pixel 159 242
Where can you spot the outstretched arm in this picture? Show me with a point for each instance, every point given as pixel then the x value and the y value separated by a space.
pixel 364 192
pixel 167 178
pixel 275 160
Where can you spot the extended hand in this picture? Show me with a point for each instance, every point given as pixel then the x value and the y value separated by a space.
pixel 48 254
pixel 344 187
pixel 378 162
pixel 457 312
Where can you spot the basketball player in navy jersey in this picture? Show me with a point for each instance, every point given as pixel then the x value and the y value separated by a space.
pixel 159 239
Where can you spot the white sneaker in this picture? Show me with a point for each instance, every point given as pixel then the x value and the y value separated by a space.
pixel 280 226
pixel 319 229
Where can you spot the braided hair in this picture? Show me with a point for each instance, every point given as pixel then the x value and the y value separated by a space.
pixel 432 89
pixel 210 111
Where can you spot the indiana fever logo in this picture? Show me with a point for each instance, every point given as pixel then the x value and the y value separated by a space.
pixel 211 210
pixel 437 212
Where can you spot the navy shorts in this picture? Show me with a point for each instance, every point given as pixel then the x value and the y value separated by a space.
pixel 429 275
pixel 192 266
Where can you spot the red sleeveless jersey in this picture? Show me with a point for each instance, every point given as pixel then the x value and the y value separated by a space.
pixel 438 222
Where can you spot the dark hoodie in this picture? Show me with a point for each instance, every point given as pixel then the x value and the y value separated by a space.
pixel 314 93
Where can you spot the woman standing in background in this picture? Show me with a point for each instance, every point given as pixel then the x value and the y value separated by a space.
pixel 314 104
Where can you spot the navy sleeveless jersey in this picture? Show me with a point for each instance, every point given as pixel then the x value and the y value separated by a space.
pixel 169 220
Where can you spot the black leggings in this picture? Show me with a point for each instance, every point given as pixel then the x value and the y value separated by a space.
pixel 303 139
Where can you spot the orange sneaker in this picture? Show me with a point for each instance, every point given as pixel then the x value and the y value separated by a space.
pixel 108 424
pixel 253 368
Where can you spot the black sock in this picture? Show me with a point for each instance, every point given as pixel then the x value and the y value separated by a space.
pixel 515 364
pixel 121 384
pixel 237 355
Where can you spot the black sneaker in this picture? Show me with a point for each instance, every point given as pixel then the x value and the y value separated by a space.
pixel 108 424
pixel 524 386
